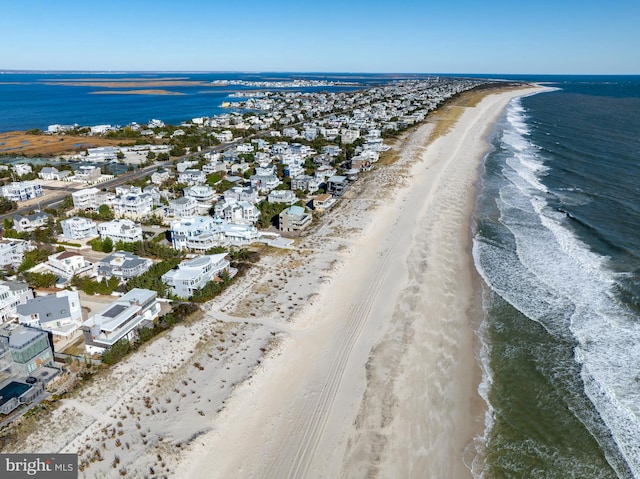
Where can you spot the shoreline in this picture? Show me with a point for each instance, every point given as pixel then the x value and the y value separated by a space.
pixel 314 359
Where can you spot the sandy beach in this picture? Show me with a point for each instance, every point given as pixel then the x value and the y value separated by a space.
pixel 351 355
pixel 378 377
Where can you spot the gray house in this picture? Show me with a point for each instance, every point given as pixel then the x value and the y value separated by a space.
pixel 122 265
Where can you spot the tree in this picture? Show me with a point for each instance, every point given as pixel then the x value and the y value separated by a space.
pixel 224 185
pixel 41 280
pixel 178 151
pixel 107 245
pixel 268 213
pixel 34 257
pixel 7 205
pixel 105 213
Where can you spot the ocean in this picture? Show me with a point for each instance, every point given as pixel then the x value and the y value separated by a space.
pixel 556 241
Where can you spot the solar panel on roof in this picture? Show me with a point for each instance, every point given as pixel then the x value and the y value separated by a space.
pixel 114 311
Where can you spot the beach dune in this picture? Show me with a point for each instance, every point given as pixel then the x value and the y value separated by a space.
pixel 376 378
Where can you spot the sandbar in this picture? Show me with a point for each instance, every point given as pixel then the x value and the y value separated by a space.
pixel 136 92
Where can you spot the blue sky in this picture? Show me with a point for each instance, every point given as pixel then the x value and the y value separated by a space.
pixel 428 36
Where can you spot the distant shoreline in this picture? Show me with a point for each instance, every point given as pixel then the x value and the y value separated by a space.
pixel 136 92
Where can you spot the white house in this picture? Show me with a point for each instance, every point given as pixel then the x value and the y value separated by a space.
pixel 87 174
pixel 59 313
pixel 100 129
pixel 239 234
pixel 264 183
pixel 323 202
pixel 122 265
pixel 200 193
pixel 224 136
pixel 102 154
pixel 12 293
pixel 85 198
pixel 124 230
pixel 159 177
pixel 214 167
pixel 306 183
pixel 282 196
pixel 52 173
pixel 12 251
pixel 185 165
pixel 22 169
pixel 191 275
pixel 120 320
pixel 78 228
pixel 240 193
pixel 21 190
pixel 131 202
pixel 31 222
pixel 192 177
pixel 68 263
pixel 239 212
pixel 185 206
pixel 199 233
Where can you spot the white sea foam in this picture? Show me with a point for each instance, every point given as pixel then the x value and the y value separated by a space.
pixel 552 277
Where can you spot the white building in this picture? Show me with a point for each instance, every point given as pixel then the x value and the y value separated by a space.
pixel 100 129
pixel 185 165
pixel 78 228
pixel 12 293
pixel 192 275
pixel 214 167
pixel 22 169
pixel 264 183
pixel 59 313
pixel 159 177
pixel 238 212
pixel 12 251
pixel 102 153
pixel 224 136
pixel 306 183
pixel 124 230
pixel 240 193
pixel 349 136
pixel 122 265
pixel 183 207
pixel 131 202
pixel 87 174
pixel 21 190
pixel 120 320
pixel 239 234
pixel 31 222
pixel 282 196
pixel 85 198
pixel 192 177
pixel 200 193
pixel 266 169
pixel 52 173
pixel 67 263
pixel 199 233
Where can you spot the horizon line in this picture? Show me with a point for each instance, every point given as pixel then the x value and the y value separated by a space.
pixel 465 74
